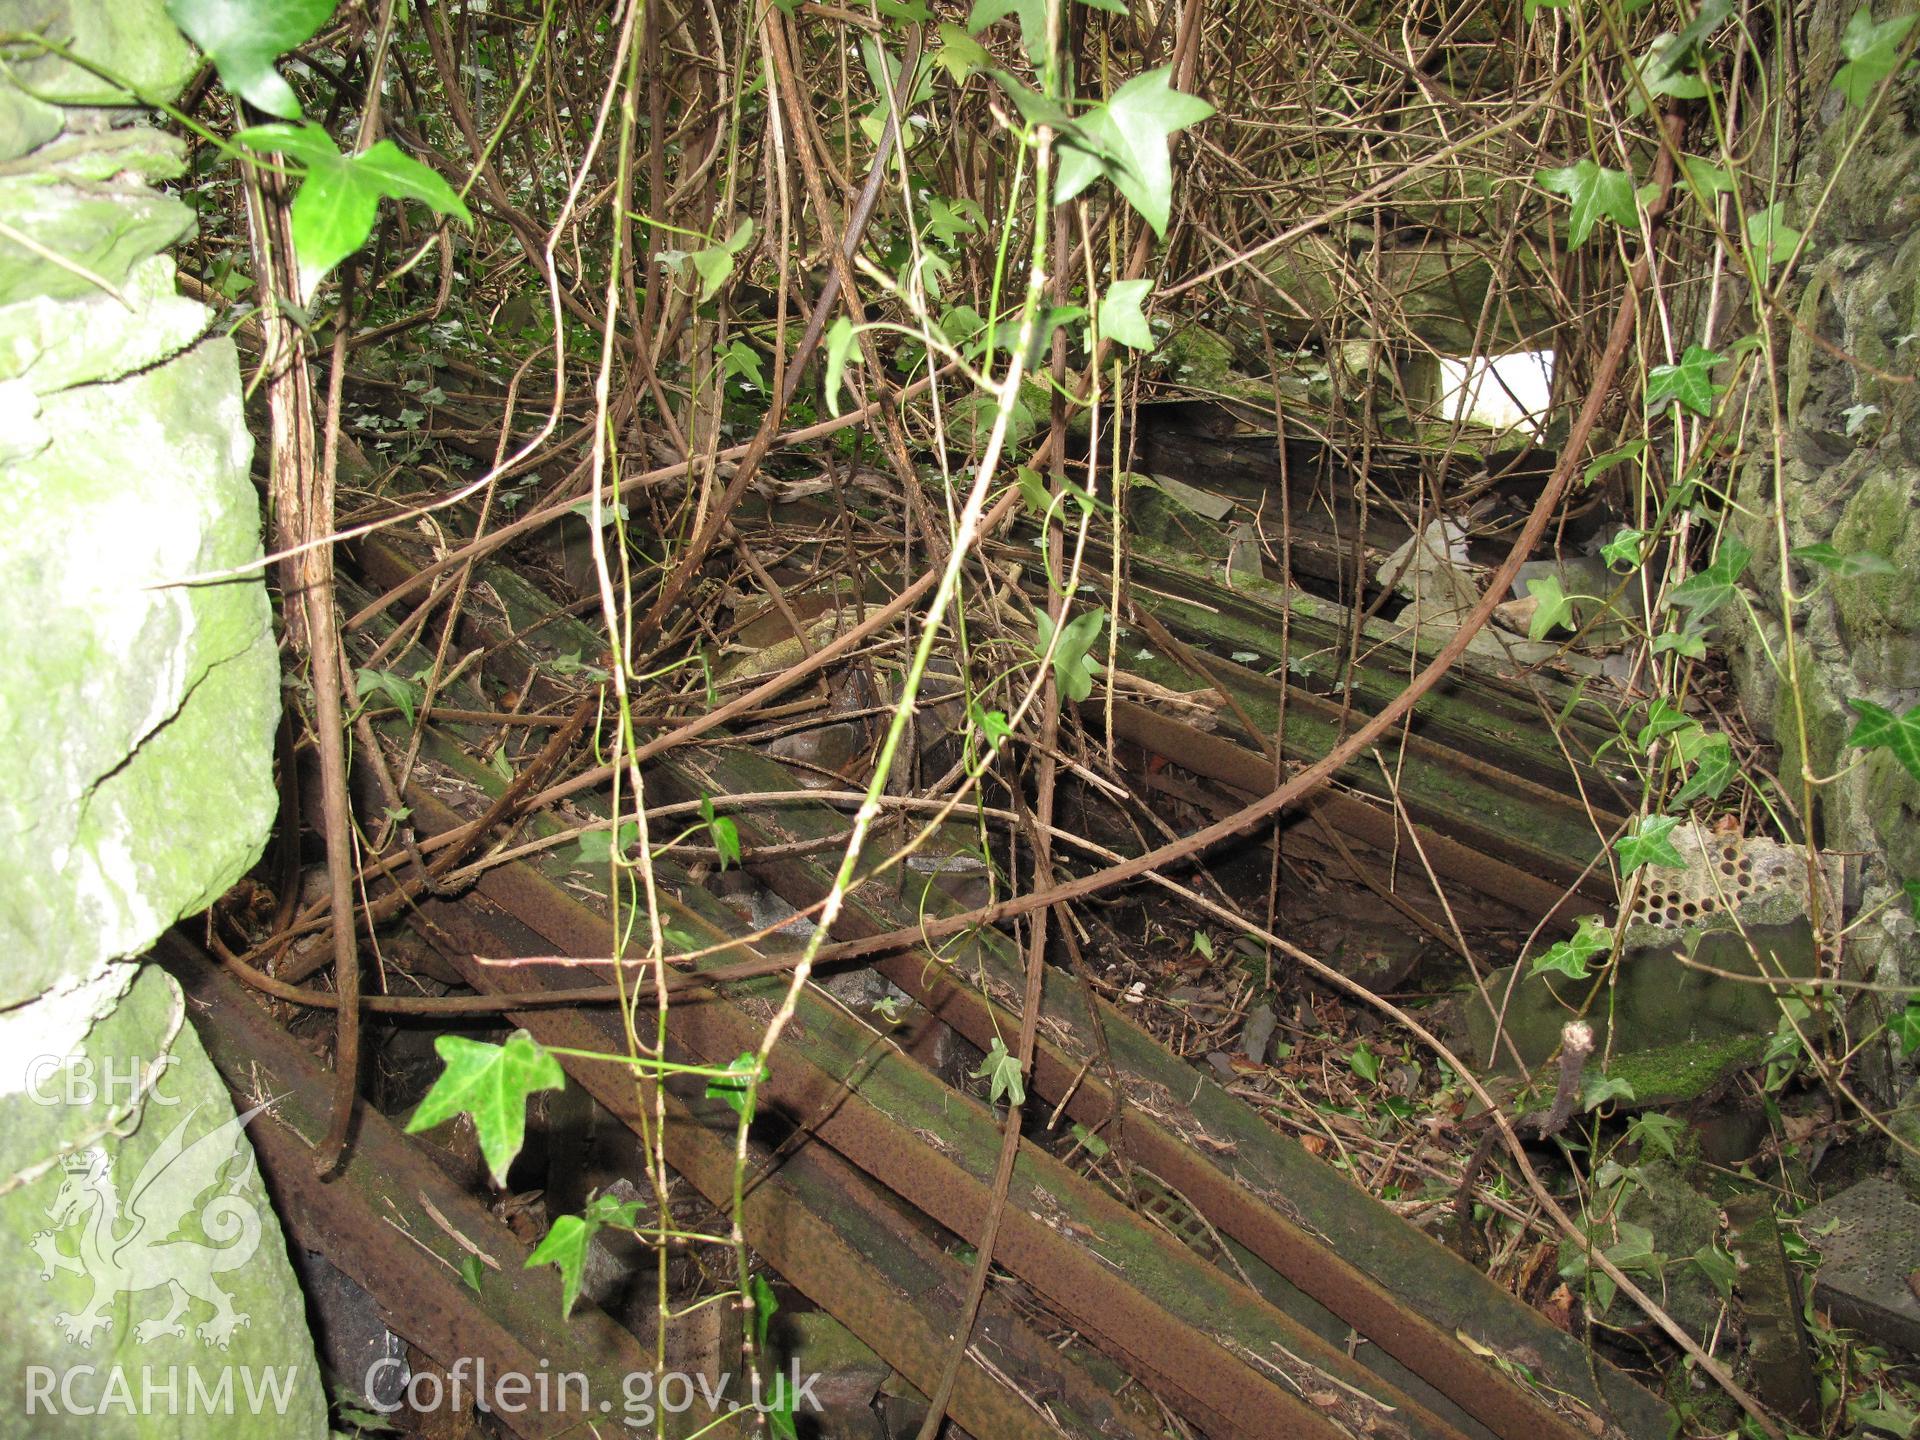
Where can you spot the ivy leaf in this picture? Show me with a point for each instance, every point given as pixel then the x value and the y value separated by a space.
pixel 1600 464
pixel 839 343
pixel 1770 237
pixel 765 1305
pixel 1705 179
pixel 1649 845
pixel 1911 889
pixel 1120 316
pixel 1032 15
pixel 1718 1266
pixel 743 360
pixel 1905 1025
pixel 1624 549
pixel 1594 191
pixel 602 846
pixel 1843 567
pixel 1690 382
pixel 1872 51
pixel 1569 957
pixel 990 723
pixel 1664 70
pixel 1073 667
pixel 1554 607
pixel 244 37
pixel 732 1087
pixel 1662 719
pixel 1880 728
pixel 1598 1090
pixel 1656 1132
pixel 1002 1072
pixel 1128 138
pixel 1706 592
pixel 404 695
pixel 334 208
pixel 960 55
pixel 714 264
pixel 491 1083
pixel 1365 1063
pixel 1690 640
pixel 564 1246
pixel 724 832
pixel 1712 759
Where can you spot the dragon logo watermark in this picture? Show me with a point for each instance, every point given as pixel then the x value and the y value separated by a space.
pixel 136 1245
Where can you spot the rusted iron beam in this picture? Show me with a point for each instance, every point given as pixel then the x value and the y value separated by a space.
pixel 1220 1353
pixel 1409 1294
pixel 824 1226
pixel 1406 1291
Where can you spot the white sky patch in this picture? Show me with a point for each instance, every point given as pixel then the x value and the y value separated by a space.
pixel 1503 392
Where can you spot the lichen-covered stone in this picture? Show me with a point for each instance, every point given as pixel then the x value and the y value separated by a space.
pixel 137 712
pixel 93 1264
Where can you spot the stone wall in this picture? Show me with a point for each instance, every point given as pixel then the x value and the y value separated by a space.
pixel 1849 474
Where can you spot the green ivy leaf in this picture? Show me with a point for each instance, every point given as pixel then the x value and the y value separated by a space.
pixel 960 55
pixel 1880 729
pixel 1690 382
pixel 244 37
pixel 1770 237
pixel 839 344
pixel 1712 759
pixel 1126 138
pixel 1662 719
pixel 1600 464
pixel 1872 51
pixel 1624 550
pixel 1569 957
pixel 1690 640
pixel 765 1305
pixel 1905 1025
pixel 1649 844
pixel 1002 1072
pixel 1073 667
pixel 1120 317
pixel 1663 71
pixel 1554 607
pixel 1717 1265
pixel 1911 889
pixel 1706 592
pixel 723 831
pixel 1032 15
pixel 714 263
pixel 491 1083
pixel 603 846
pixel 1597 1091
pixel 334 208
pixel 1843 567
pixel 1594 191
pixel 732 1087
pixel 1705 179
pixel 564 1246
pixel 1654 1131
pixel 1365 1063
pixel 990 723
pixel 404 695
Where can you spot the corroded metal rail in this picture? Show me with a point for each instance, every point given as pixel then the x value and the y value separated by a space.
pixel 1255 1353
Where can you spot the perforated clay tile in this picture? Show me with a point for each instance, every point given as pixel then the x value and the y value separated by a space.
pixel 1869 1243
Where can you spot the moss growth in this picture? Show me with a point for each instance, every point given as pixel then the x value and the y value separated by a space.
pixel 1674 1074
